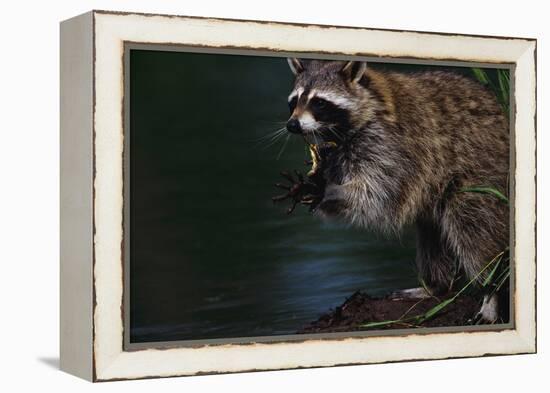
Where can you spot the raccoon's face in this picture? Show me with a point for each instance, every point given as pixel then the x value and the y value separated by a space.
pixel 325 96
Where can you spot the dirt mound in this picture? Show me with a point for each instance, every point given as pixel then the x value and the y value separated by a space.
pixel 361 308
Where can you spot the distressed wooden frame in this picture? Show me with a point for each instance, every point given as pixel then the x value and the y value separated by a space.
pixel 92 195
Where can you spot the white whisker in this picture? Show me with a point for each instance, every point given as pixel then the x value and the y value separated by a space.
pixel 270 138
pixel 272 134
pixel 284 146
pixel 335 133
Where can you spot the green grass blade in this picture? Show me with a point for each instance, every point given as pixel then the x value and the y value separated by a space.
pixel 481 75
pixel 505 277
pixel 486 190
pixel 434 310
pixel 489 277
pixel 500 89
pixel 504 83
pixel 377 324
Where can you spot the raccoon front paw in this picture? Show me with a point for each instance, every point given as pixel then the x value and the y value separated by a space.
pixel 299 190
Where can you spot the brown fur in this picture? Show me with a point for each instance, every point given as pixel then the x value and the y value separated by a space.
pixel 457 136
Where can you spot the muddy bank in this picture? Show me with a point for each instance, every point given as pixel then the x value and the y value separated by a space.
pixel 361 308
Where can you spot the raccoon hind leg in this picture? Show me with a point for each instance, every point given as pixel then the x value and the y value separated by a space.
pixel 477 228
pixel 435 263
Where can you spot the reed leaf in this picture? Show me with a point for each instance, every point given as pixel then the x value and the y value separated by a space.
pixel 382 323
pixel 434 310
pixel 501 90
pixel 486 190
pixel 481 75
pixel 490 276
pixel 504 84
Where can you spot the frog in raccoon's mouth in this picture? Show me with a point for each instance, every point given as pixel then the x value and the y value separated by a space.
pixel 316 154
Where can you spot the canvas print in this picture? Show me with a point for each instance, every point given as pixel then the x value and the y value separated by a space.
pixel 280 196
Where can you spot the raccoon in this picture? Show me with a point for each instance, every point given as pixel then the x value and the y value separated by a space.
pixel 405 145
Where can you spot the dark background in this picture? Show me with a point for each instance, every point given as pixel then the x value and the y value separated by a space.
pixel 211 256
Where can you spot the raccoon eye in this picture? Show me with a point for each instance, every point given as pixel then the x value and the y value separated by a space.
pixel 318 103
pixel 292 104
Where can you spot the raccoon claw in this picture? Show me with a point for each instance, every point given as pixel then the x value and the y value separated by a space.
pixel 291 208
pixel 288 177
pixel 283 186
pixel 280 198
pixel 301 190
pixel 309 199
pixel 292 193
pixel 299 176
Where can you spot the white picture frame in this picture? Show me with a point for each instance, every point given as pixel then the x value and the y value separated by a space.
pixel 92 195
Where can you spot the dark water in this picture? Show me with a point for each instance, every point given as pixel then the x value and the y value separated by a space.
pixel 211 256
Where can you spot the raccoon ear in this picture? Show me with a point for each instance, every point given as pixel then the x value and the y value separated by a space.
pixel 295 65
pixel 353 71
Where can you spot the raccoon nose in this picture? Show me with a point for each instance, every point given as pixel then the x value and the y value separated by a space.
pixel 293 126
